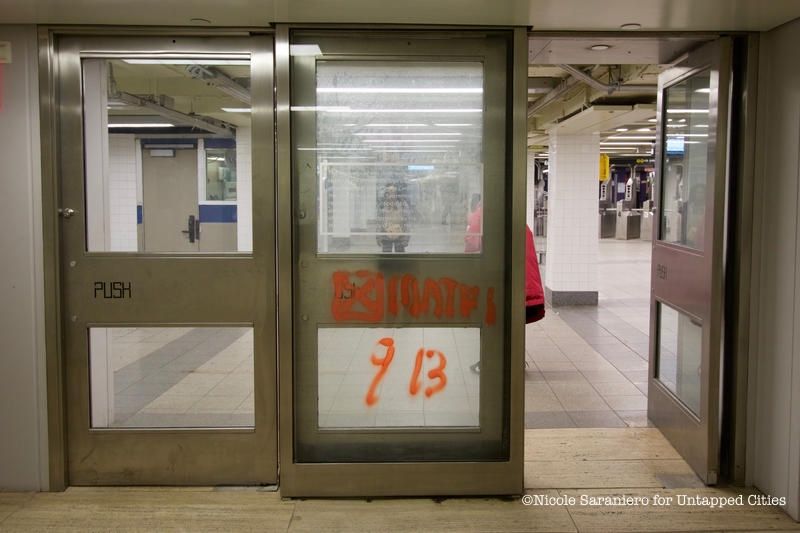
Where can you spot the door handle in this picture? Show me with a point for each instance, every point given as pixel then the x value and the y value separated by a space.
pixel 197 228
pixel 193 226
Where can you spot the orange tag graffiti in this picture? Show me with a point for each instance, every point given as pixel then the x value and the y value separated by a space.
pixel 347 296
pixel 383 363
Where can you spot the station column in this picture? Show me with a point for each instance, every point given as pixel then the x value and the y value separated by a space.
pixel 572 232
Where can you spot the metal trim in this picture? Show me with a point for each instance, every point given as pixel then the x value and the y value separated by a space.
pixel 48 124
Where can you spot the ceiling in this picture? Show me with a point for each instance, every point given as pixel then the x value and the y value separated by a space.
pixel 543 15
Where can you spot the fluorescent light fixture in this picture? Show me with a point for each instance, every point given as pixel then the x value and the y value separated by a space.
pixel 304 50
pixel 701 125
pixel 625 143
pixel 677 125
pixel 687 135
pixel 418 151
pixel 420 167
pixel 349 157
pixel 236 109
pixel 438 134
pixel 622 129
pixel 408 146
pixel 142 125
pixel 400 90
pixel 399 125
pixel 193 60
pixel 632 137
pixel 411 140
pixel 454 125
pixel 599 47
pixel 335 149
pixel 643 129
pixel 704 90
pixel 687 111
pixel 652 120
pixel 344 109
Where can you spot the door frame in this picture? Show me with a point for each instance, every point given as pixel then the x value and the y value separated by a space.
pixel 51 154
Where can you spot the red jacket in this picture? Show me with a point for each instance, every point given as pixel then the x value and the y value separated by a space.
pixel 534 293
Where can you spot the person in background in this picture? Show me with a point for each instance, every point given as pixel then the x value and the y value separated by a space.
pixel 534 293
pixel 473 237
pixel 394 217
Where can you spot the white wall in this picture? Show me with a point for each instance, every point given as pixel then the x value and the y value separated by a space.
pixel 244 190
pixel 122 165
pixel 23 431
pixel 774 422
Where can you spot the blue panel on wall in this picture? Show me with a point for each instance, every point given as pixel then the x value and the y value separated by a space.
pixel 139 214
pixel 219 143
pixel 217 213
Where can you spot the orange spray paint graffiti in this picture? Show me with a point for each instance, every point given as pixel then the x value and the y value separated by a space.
pixel 365 296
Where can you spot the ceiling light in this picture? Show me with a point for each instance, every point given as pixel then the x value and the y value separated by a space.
pixel 371 134
pixel 622 129
pixel 625 143
pixel 682 135
pixel 143 125
pixel 704 90
pixel 454 125
pixel 599 47
pixel 407 125
pixel 632 137
pixel 236 109
pixel 411 140
pixel 652 120
pixel 345 109
pixel 631 26
pixel 643 129
pixel 419 151
pixel 193 60
pixel 399 90
pixel 701 126
pixel 687 111
pixel 304 50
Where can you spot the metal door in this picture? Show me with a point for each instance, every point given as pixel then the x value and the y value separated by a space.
pixel 170 363
pixel 688 250
pixel 404 332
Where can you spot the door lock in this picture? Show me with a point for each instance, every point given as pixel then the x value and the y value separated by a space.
pixel 193 231
pixel 66 212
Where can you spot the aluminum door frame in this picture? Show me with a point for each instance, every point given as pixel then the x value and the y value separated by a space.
pixel 168 456
pixel 692 281
pixel 410 478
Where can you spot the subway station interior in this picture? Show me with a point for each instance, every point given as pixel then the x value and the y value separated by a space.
pixel 269 265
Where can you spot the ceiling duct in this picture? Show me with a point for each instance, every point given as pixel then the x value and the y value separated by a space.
pixel 218 80
pixel 600 86
pixel 205 123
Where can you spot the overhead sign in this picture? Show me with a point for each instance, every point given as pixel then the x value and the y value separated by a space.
pixel 605 167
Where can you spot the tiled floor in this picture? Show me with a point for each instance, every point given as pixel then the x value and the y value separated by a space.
pixel 587 366
pixel 177 377
pixel 354 393
pixel 559 463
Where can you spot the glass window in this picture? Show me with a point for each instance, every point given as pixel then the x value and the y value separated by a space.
pixel 220 174
pixel 398 377
pixel 399 156
pixel 680 348
pixel 685 170
pixel 160 377
pixel 167 154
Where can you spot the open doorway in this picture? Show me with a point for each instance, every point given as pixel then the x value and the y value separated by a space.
pixel 592 131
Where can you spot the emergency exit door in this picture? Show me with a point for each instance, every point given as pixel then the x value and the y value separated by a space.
pixel 169 354
pixel 688 249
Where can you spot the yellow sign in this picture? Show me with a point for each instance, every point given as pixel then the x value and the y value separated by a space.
pixel 605 167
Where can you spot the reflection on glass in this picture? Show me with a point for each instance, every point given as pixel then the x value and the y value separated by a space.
pixel 220 173
pixel 685 170
pixel 167 152
pixel 171 377
pixel 398 377
pixel 680 355
pixel 399 156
